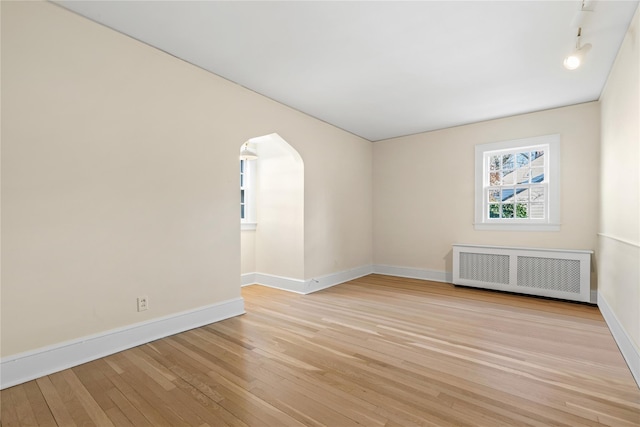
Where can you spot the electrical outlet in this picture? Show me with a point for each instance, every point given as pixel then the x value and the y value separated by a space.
pixel 143 303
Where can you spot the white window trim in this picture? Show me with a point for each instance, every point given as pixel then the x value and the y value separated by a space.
pixel 249 222
pixel 248 226
pixel 552 221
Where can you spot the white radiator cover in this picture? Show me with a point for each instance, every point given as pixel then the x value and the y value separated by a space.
pixel 555 273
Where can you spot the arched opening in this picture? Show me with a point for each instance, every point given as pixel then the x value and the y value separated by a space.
pixel 272 239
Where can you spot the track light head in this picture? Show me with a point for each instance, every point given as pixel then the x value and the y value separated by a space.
pixel 575 59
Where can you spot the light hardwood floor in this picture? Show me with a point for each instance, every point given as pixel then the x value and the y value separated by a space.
pixel 377 351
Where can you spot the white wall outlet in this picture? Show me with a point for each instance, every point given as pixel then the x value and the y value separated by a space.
pixel 143 303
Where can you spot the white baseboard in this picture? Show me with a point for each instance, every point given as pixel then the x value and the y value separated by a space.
pixel 273 281
pixel 30 365
pixel 629 351
pixel 414 273
pixel 247 279
pixel 326 281
pixel 317 283
pixel 304 286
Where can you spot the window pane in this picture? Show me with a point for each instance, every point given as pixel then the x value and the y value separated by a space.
pixel 241 211
pixel 508 161
pixel 241 196
pixel 494 163
pixel 537 158
pixel 522 160
pixel 537 175
pixel 537 194
pixel 494 196
pixel 241 166
pixel 522 194
pixel 521 210
pixel 537 211
pixel 524 175
pixel 508 177
pixel 507 210
pixel 494 210
pixel 494 178
pixel 507 194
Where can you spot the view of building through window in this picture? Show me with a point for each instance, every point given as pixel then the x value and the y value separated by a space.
pixel 516 184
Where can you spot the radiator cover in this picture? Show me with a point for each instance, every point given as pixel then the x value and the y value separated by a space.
pixel 556 273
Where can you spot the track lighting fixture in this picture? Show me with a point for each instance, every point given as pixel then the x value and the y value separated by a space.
pixel 576 58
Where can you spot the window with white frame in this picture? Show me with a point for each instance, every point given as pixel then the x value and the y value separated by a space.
pixel 243 188
pixel 517 184
pixel 247 194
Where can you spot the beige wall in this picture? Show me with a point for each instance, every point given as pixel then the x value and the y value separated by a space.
pixel 424 188
pixel 120 178
pixel 619 246
pixel 337 205
pixel 248 251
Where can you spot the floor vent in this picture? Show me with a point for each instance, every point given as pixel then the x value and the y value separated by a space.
pixel 555 273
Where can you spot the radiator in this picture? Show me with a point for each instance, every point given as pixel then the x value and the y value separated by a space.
pixel 555 273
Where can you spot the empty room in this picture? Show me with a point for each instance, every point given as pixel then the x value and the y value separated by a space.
pixel 320 213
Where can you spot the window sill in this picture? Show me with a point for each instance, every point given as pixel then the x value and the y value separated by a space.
pixel 248 226
pixel 516 227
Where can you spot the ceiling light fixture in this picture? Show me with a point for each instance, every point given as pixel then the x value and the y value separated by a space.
pixel 246 153
pixel 575 58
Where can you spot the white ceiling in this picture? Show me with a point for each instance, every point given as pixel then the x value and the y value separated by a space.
pixel 382 69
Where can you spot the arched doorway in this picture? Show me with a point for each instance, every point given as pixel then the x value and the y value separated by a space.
pixel 273 250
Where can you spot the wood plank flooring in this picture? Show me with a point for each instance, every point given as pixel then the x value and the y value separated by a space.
pixel 376 351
